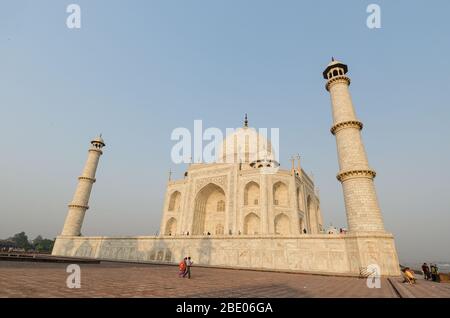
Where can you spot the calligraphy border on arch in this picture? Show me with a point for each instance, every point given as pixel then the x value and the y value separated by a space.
pixel 219 180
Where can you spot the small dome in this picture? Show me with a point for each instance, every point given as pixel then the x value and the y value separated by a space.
pixel 245 145
pixel 332 230
pixel 333 63
pixel 99 140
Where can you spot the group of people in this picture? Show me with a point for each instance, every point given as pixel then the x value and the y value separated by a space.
pixel 185 267
pixel 430 272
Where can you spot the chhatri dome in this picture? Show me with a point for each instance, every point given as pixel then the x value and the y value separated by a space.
pixel 334 68
pixel 98 140
pixel 246 145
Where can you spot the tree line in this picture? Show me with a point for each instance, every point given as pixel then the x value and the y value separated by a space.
pixel 21 241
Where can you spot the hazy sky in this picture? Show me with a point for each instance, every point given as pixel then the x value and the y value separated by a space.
pixel 138 69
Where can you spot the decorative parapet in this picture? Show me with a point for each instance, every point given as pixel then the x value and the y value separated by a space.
pixel 337 79
pixel 346 124
pixel 342 176
pixel 191 237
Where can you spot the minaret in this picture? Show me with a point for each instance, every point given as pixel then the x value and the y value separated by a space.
pixel 79 204
pixel 361 204
pixel 299 168
pixel 292 165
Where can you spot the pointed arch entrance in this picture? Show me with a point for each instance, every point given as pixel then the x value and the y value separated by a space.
pixel 251 193
pixel 171 227
pixel 252 224
pixel 282 224
pixel 209 210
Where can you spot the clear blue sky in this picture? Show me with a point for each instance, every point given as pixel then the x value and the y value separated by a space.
pixel 138 69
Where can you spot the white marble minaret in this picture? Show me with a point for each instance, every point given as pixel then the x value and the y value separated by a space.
pixel 356 176
pixel 79 204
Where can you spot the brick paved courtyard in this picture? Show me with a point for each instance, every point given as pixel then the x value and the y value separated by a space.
pixel 27 279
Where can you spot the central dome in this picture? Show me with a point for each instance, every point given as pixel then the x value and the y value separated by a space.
pixel 245 145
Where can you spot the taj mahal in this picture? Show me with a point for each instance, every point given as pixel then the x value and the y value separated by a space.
pixel 243 193
pixel 246 211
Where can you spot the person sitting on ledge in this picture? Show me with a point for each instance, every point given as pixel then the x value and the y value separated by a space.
pixel 408 276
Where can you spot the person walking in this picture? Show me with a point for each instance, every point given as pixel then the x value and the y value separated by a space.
pixel 189 263
pixel 435 273
pixel 426 271
pixel 182 268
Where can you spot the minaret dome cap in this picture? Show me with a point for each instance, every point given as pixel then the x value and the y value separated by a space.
pixel 99 140
pixel 334 63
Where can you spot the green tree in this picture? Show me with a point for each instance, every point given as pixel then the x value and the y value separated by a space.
pixel 43 245
pixel 21 240
pixel 38 240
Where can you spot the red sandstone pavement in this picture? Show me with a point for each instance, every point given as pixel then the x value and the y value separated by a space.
pixel 24 279
pixel 423 289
